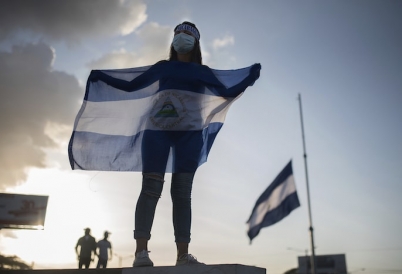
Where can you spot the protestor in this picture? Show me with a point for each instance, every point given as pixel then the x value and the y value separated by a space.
pixel 103 245
pixel 87 245
pixel 187 101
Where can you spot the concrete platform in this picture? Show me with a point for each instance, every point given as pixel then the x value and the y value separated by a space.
pixel 198 269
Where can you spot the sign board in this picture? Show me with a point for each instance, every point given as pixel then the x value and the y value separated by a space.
pixel 326 264
pixel 22 211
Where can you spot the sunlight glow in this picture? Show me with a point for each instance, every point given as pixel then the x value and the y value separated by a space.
pixel 69 211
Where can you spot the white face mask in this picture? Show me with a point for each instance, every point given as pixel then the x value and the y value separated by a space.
pixel 183 43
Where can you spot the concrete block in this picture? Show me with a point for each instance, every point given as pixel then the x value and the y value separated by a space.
pixel 197 269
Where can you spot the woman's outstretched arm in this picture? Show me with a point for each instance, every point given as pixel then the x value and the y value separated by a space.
pixel 143 80
pixel 214 84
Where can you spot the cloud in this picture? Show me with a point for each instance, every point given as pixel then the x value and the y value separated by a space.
pixel 219 43
pixel 33 98
pixel 114 60
pixel 71 20
pixel 217 53
pixel 156 40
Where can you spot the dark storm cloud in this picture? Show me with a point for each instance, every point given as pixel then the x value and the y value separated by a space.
pixel 32 96
pixel 70 20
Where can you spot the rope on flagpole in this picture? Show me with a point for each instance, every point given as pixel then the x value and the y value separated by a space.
pixel 312 258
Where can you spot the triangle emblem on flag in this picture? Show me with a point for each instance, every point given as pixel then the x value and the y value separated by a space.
pixel 167 110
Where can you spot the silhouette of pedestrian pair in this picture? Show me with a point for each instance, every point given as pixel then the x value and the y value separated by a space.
pixel 89 248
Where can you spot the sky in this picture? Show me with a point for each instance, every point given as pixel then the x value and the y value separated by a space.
pixel 343 57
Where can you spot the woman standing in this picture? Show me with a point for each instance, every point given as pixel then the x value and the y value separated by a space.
pixel 187 146
pixel 177 124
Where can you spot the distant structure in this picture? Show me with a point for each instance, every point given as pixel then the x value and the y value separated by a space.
pixel 18 211
pixel 326 264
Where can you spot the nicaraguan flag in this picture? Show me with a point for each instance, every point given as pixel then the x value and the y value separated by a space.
pixel 170 96
pixel 277 201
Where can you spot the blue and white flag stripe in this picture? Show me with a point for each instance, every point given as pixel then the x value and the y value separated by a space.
pixel 110 125
pixel 201 110
pixel 277 201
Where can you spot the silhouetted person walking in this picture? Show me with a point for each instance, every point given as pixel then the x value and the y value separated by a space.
pixel 88 245
pixel 103 246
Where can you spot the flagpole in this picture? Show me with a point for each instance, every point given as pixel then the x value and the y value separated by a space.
pixel 312 259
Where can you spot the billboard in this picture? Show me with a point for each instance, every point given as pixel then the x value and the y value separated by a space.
pixel 22 211
pixel 326 264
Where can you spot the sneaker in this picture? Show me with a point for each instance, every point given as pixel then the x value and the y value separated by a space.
pixel 188 259
pixel 142 259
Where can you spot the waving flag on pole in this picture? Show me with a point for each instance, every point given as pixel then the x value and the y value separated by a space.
pixel 121 106
pixel 277 201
